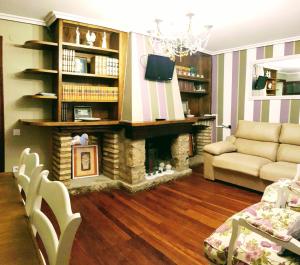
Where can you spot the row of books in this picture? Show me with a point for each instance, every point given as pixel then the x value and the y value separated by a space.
pixel 87 92
pixel 68 60
pixel 104 65
pixel 186 86
pixel 64 112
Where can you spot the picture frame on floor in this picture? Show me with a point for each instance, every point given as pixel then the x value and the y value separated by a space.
pixel 85 161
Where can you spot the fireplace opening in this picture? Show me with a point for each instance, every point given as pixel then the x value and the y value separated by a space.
pixel 158 155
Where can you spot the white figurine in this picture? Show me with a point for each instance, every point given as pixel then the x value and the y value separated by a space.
pixel 90 38
pixel 84 139
pixel 77 36
pixel 104 46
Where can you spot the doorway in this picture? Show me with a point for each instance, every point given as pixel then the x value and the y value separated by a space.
pixel 1 109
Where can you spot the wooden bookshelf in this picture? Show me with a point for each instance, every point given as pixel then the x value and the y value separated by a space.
pixel 65 40
pixel 199 102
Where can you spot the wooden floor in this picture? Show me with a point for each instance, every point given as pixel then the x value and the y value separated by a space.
pixel 165 225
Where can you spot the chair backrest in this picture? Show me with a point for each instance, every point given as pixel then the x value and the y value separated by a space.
pixel 56 195
pixel 25 152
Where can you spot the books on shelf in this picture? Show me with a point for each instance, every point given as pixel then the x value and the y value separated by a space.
pixel 88 92
pixel 68 60
pixel 64 112
pixel 104 65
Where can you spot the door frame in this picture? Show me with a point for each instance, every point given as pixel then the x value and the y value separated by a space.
pixel 2 142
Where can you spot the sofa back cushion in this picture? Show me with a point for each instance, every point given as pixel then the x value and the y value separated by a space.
pixel 289 153
pixel 259 131
pixel 257 148
pixel 290 134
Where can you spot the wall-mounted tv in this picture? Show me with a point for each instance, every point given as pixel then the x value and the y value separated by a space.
pixel 159 68
pixel 260 82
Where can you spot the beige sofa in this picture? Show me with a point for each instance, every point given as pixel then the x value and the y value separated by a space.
pixel 258 153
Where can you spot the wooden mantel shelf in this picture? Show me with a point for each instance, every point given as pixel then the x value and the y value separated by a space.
pixel 157 123
pixel 49 123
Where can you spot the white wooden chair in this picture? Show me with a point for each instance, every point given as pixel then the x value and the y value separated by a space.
pixel 288 238
pixel 28 176
pixel 24 153
pixel 55 194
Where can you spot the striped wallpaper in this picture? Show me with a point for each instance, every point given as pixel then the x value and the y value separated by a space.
pixel 147 100
pixel 231 87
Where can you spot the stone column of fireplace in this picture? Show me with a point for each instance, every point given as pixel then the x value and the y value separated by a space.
pixel 180 152
pixel 111 156
pixel 62 156
pixel 132 160
pixel 203 135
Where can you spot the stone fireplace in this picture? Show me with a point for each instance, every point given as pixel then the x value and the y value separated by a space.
pixel 122 160
pixel 133 164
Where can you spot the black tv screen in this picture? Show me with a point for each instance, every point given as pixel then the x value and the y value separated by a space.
pixel 260 82
pixel 159 68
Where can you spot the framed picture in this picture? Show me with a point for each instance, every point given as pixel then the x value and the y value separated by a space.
pixel 81 65
pixel 82 112
pixel 85 161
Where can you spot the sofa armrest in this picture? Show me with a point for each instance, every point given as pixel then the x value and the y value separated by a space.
pixel 220 148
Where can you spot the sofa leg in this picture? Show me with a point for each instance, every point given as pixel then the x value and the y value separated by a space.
pixel 208 167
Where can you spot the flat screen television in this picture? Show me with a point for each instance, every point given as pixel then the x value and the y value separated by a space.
pixel 159 68
pixel 260 82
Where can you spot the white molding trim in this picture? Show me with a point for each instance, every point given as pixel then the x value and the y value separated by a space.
pixel 26 20
pixel 261 44
pixel 54 15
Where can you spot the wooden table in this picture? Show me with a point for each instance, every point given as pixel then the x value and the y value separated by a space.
pixel 17 244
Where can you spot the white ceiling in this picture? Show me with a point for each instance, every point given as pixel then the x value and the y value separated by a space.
pixel 236 22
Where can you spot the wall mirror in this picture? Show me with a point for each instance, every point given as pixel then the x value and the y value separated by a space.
pixel 276 78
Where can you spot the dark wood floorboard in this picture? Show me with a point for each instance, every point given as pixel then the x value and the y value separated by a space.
pixel 165 225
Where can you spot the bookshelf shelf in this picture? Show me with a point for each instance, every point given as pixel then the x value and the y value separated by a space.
pixel 40 71
pixel 89 75
pixel 85 101
pixel 50 123
pixel 89 49
pixel 40 45
pixel 198 93
pixel 41 97
pixel 192 78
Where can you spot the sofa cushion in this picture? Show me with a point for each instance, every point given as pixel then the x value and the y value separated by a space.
pixel 257 148
pixel 278 170
pixel 260 131
pixel 290 134
pixel 289 153
pixel 220 148
pixel 247 164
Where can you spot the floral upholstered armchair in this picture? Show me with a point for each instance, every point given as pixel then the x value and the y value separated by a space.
pixel 264 233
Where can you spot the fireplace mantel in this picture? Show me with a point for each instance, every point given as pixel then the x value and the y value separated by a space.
pixel 144 130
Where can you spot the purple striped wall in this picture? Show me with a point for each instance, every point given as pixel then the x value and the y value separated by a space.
pixel 285 103
pixel 257 103
pixel 234 91
pixel 214 94
pixel 143 83
pixel 161 94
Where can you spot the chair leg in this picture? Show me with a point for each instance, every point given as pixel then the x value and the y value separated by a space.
pixel 234 235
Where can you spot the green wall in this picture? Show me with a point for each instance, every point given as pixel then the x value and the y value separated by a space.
pixel 18 84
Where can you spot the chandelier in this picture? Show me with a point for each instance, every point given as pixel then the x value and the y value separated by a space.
pixel 179 43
